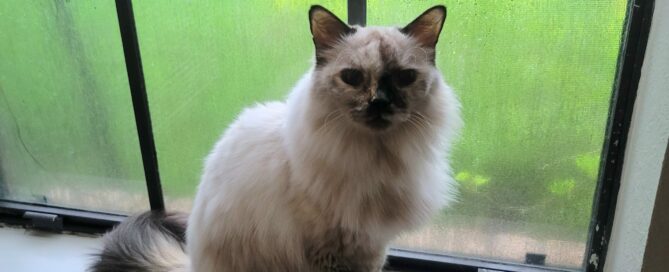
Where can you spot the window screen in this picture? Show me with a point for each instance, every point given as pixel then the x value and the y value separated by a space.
pixel 67 131
pixel 535 80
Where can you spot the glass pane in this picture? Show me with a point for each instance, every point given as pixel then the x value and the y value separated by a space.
pixel 204 62
pixel 67 131
pixel 535 79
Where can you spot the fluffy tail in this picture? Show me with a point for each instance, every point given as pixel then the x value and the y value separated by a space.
pixel 151 242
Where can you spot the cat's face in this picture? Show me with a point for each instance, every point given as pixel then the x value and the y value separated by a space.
pixel 377 77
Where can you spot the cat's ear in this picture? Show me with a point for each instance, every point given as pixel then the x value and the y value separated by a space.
pixel 326 29
pixel 426 28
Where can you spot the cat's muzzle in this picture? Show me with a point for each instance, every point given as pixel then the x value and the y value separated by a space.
pixel 379 113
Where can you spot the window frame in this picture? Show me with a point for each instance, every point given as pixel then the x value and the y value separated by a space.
pixel 634 39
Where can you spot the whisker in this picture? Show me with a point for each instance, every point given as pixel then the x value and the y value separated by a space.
pixel 333 116
pixel 423 118
pixel 334 120
pixel 418 126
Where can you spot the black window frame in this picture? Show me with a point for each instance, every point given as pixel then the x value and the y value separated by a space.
pixel 634 39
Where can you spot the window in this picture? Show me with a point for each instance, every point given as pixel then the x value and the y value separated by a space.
pixel 67 131
pixel 535 80
pixel 546 95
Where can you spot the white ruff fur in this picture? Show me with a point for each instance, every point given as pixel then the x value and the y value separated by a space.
pixel 290 179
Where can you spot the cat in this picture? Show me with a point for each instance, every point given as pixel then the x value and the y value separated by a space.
pixel 324 181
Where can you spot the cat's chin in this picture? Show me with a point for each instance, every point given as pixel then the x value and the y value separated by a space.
pixel 378 124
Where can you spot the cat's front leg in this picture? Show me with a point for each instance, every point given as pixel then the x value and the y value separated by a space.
pixel 375 262
pixel 333 257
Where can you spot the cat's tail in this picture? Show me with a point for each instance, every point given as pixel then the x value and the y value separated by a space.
pixel 152 241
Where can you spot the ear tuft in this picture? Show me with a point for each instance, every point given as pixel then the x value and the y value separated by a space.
pixel 326 28
pixel 426 27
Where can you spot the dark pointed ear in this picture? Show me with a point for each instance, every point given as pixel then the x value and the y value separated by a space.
pixel 326 28
pixel 426 28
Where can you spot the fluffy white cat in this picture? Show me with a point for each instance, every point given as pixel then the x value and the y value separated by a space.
pixel 324 181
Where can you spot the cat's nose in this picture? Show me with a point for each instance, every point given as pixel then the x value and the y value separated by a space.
pixel 380 99
pixel 379 105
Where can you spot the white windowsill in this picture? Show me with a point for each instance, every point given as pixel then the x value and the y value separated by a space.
pixel 28 251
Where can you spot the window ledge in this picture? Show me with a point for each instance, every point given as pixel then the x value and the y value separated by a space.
pixel 24 250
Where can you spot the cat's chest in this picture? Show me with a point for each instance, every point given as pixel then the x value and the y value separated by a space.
pixel 356 202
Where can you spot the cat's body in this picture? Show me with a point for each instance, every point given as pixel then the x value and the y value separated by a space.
pixel 324 181
pixel 340 194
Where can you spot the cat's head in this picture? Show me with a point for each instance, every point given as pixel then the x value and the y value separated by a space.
pixel 375 76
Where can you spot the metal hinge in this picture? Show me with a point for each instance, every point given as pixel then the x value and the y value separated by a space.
pixel 44 221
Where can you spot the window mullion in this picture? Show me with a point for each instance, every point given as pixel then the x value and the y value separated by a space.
pixel 357 12
pixel 140 102
pixel 630 61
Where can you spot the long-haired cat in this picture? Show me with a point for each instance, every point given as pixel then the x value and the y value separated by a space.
pixel 325 180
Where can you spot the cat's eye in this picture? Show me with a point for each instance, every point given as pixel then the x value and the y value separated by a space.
pixel 404 77
pixel 351 77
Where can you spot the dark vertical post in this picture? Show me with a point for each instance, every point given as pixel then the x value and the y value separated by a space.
pixel 630 61
pixel 140 103
pixel 357 12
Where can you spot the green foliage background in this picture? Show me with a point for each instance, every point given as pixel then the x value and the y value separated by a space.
pixel 534 78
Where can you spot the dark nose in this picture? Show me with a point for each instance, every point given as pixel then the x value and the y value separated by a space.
pixel 380 98
pixel 380 103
